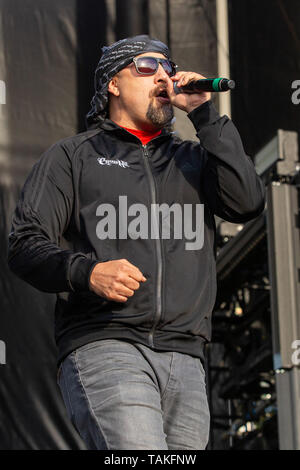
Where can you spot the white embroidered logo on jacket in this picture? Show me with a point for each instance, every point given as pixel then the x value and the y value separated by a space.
pixel 104 161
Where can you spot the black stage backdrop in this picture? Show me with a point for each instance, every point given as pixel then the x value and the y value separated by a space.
pixel 48 51
pixel 265 60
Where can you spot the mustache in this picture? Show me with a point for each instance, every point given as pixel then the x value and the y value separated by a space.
pixel 161 89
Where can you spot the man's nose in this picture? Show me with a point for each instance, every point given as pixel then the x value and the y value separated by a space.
pixel 161 74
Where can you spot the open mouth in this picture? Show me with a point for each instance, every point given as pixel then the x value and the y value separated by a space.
pixel 163 97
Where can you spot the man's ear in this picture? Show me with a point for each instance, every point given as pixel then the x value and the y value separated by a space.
pixel 113 87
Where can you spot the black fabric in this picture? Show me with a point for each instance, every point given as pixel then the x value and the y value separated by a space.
pixel 40 50
pixel 114 58
pixel 264 62
pixel 53 243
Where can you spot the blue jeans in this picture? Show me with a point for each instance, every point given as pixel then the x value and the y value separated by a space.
pixel 120 395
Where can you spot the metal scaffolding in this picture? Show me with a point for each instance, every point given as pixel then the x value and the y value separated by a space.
pixel 253 368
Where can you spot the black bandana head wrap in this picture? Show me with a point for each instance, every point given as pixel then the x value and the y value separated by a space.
pixel 114 58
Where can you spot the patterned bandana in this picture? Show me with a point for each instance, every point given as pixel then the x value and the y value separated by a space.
pixel 114 58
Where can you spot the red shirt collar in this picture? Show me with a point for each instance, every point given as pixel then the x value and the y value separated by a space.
pixel 144 136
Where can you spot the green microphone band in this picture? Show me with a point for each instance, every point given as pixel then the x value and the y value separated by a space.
pixel 216 83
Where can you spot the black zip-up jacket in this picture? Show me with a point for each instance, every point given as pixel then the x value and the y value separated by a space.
pixel 53 243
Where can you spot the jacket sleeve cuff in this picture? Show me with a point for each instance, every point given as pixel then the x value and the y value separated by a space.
pixel 79 273
pixel 203 115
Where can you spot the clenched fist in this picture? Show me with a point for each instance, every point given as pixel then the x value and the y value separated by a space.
pixel 115 280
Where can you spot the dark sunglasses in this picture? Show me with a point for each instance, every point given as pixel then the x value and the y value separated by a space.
pixel 149 65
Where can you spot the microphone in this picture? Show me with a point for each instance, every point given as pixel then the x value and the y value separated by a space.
pixel 206 84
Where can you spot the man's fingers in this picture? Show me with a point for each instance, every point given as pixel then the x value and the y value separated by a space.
pixel 183 78
pixel 119 298
pixel 187 78
pixel 137 276
pixel 133 271
pixel 177 76
pixel 131 283
pixel 124 291
pixel 120 293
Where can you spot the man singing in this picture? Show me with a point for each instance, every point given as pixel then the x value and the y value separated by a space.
pixel 118 221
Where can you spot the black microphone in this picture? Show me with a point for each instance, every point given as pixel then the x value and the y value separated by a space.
pixel 206 84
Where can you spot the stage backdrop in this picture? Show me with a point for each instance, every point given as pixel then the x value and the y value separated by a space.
pixel 48 50
pixel 265 62
pixel 48 53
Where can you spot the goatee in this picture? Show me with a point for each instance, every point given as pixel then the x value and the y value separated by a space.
pixel 160 116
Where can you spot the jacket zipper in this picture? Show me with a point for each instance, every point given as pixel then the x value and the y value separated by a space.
pixel 158 244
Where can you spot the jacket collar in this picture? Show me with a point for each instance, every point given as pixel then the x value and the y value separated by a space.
pixel 109 125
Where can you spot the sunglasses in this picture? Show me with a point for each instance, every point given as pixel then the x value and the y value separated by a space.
pixel 149 65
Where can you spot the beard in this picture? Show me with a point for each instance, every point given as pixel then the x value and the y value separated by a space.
pixel 160 116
